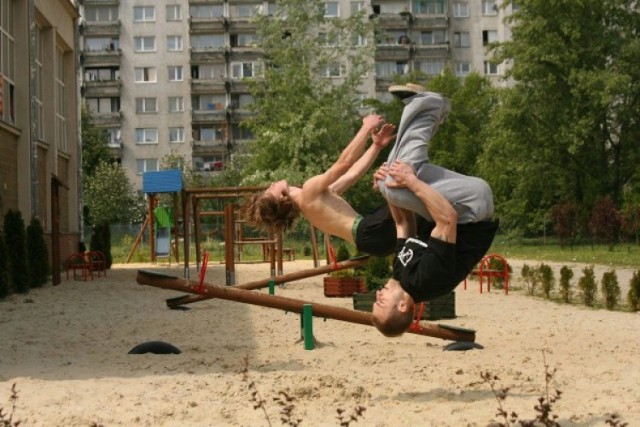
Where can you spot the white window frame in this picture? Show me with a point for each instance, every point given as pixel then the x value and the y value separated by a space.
pixel 174 44
pixel 144 43
pixel 489 7
pixel 176 135
pixel 328 9
pixel 175 73
pixel 146 105
pixel 333 70
pixel 356 6
pixel 101 13
pixel 146 136
pixel 146 165
pixel 460 9
pixel 173 12
pixel 115 137
pixel 432 67
pixel 462 69
pixel 60 101
pixel 238 70
pixel 491 69
pixel 461 39
pixel 145 74
pixel 176 104
pixel 491 37
pixel 144 14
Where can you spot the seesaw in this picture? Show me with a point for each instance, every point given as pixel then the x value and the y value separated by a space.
pixel 284 278
pixel 241 294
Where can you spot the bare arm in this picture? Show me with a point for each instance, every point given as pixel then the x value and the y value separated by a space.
pixel 348 157
pixel 440 209
pixel 381 139
pixel 405 222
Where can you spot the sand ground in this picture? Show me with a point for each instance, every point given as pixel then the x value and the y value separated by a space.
pixel 66 349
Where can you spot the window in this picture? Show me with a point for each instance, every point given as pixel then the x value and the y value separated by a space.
pixel 490 69
pixel 146 75
pixel 39 95
pixel 327 40
pixel 243 40
pixel 105 74
pixel 174 43
pixel 115 137
pixel 460 9
pixel 240 132
pixel 176 134
pixel 331 9
pixel 7 61
pixel 209 102
pixel 144 44
pixel 175 73
pixel 174 13
pixel 207 41
pixel 461 39
pixel 489 7
pixel 241 70
pixel 430 6
pixel 432 66
pixel 101 44
pixel 206 11
pixel 176 104
pixel 356 6
pixel 103 105
pixel 489 36
pixel 146 136
pixel 60 94
pixel 462 69
pixel 242 10
pixel 207 72
pixel 146 105
pixel 433 37
pixel 333 70
pixel 146 165
pixel 241 100
pixel 144 13
pixel 205 133
pixel 390 68
pixel 101 13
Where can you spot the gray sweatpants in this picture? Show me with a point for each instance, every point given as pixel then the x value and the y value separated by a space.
pixel 471 197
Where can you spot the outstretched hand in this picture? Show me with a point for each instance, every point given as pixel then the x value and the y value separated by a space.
pixel 372 121
pixel 383 136
pixel 380 175
pixel 401 173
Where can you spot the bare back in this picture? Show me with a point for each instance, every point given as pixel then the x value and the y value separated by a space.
pixel 325 209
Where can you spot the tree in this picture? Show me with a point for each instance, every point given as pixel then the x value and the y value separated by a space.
pixel 95 149
pixel 605 221
pixel 110 198
pixel 565 222
pixel 17 260
pixel 303 117
pixel 571 116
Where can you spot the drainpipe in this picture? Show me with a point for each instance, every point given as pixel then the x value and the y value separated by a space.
pixel 33 129
pixel 79 79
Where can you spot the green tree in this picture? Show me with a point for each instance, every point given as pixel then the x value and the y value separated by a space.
pixel 38 254
pixel 570 116
pixel 302 118
pixel 95 141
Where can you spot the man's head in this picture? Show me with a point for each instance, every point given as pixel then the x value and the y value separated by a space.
pixel 393 309
pixel 272 210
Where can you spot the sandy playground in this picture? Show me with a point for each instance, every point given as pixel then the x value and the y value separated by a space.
pixel 66 350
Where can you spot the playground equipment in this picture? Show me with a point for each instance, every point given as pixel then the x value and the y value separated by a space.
pixel 235 293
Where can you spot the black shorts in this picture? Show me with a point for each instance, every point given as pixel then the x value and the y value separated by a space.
pixel 376 233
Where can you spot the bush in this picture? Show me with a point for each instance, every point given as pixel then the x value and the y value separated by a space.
pixel 5 287
pixel 531 278
pixel 633 296
pixel 588 286
pixel 377 272
pixel 566 274
pixel 343 252
pixel 610 289
pixel 17 261
pixel 38 255
pixel 546 279
pixel 101 241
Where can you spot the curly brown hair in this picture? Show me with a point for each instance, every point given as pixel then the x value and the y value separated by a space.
pixel 268 212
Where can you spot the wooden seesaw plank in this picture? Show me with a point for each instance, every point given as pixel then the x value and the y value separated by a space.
pixel 231 293
pixel 290 277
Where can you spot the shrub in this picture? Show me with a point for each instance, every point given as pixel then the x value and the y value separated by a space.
pixel 588 286
pixel 633 296
pixel 38 255
pixel 610 289
pixel 101 241
pixel 343 252
pixel 546 279
pixel 531 278
pixel 566 274
pixel 17 261
pixel 377 272
pixel 5 287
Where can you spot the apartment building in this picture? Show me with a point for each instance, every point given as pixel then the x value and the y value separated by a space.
pixel 39 116
pixel 168 78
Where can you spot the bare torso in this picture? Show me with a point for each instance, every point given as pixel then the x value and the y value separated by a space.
pixel 325 210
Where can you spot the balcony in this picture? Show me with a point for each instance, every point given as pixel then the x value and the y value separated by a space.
pixel 423 22
pixel 394 21
pixel 239 23
pixel 101 2
pixel 101 88
pixel 245 53
pixel 432 51
pixel 110 28
pixel 208 86
pixel 208 116
pixel 106 57
pixel 207 25
pixel 109 119
pixel 208 148
pixel 210 54
pixel 393 52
